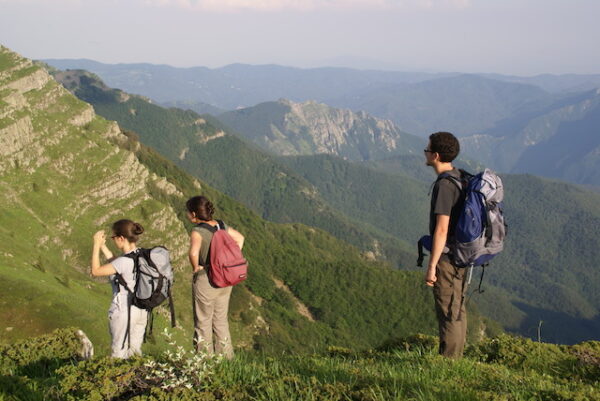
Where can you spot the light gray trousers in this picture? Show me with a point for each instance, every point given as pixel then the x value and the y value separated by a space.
pixel 211 327
pixel 117 324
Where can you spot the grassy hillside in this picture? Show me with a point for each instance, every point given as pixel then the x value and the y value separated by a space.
pixel 504 368
pixel 67 172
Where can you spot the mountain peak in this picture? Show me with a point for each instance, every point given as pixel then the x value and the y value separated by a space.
pixel 286 127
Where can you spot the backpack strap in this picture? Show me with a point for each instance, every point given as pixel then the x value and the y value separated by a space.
pixel 424 242
pixel 171 305
pixel 208 227
pixel 452 179
pixel 213 229
pixel 465 176
pixel 134 255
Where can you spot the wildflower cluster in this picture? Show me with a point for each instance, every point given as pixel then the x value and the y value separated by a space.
pixel 178 368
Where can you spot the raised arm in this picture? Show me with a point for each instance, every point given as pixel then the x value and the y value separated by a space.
pixel 108 255
pixel 99 243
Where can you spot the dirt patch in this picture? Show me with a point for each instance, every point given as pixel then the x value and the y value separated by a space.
pixel 300 307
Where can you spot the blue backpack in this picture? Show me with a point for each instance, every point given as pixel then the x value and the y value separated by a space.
pixel 480 230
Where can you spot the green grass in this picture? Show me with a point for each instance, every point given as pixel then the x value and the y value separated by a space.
pixel 505 368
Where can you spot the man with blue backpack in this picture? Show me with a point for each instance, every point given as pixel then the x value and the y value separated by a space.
pixel 466 228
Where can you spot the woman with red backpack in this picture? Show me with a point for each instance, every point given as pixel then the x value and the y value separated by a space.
pixel 211 301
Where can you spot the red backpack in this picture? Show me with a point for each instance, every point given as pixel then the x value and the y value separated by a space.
pixel 226 263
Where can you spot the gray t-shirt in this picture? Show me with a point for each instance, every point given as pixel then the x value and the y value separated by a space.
pixel 124 266
pixel 446 199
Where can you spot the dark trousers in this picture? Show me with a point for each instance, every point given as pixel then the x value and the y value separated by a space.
pixel 448 292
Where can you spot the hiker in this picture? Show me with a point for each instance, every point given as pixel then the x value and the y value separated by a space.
pixel 126 341
pixel 210 304
pixel 448 281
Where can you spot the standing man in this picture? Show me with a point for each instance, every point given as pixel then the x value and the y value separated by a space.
pixel 447 280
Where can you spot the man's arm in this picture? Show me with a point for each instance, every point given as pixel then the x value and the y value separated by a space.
pixel 440 235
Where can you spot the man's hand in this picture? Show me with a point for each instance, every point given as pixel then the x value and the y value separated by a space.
pixel 430 277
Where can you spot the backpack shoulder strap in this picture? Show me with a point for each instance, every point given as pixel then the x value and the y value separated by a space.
pixel 458 183
pixel 135 257
pixel 220 224
pixel 208 227
pixel 145 253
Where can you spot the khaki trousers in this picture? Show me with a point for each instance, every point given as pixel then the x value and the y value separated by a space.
pixel 449 295
pixel 211 327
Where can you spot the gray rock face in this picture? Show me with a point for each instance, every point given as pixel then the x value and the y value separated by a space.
pixel 290 129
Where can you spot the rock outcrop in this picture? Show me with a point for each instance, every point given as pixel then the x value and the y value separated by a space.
pixel 289 128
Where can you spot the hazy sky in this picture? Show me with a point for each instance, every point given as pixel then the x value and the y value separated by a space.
pixel 523 37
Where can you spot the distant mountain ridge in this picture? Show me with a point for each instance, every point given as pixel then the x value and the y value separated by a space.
pixel 556 83
pixel 559 140
pixel 418 103
pixel 288 128
pixel 238 85
pixel 463 104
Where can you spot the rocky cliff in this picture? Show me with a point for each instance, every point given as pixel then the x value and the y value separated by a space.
pixel 288 128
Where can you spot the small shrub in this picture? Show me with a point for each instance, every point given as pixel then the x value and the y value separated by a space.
pixel 588 359
pixel 415 342
pixel 176 375
pixel 181 368
pixel 34 356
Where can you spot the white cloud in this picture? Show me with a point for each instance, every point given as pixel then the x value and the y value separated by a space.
pixel 276 5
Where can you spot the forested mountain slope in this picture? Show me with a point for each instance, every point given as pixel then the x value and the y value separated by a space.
pixel 531 281
pixel 206 149
pixel 66 173
pixel 547 271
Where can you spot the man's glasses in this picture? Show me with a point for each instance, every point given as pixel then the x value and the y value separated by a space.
pixel 428 151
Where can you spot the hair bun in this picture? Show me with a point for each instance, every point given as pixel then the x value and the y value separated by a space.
pixel 138 229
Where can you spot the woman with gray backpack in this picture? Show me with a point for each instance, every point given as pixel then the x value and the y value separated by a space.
pixel 127 323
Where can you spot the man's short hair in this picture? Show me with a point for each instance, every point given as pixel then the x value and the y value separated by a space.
pixel 445 144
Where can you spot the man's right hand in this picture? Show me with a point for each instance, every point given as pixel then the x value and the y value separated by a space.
pixel 430 277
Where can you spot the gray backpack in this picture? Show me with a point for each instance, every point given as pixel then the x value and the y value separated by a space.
pixel 153 275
